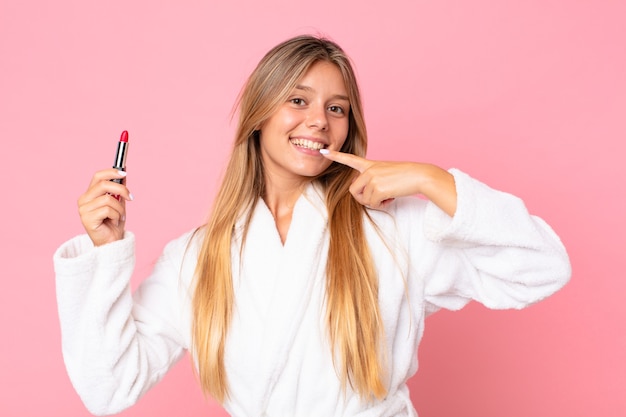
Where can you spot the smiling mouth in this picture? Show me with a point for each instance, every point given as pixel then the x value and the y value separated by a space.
pixel 308 144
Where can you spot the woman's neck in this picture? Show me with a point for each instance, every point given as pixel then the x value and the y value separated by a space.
pixel 280 198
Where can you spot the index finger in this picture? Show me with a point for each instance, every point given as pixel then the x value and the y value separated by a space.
pixel 107 175
pixel 353 161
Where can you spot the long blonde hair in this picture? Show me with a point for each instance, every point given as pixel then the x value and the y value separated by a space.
pixel 353 317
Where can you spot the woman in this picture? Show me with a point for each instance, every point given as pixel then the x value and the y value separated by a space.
pixel 306 291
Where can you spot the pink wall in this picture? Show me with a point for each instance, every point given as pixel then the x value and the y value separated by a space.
pixel 529 96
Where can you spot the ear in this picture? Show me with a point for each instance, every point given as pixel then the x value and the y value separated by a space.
pixel 256 132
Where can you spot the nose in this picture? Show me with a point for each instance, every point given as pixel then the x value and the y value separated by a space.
pixel 317 118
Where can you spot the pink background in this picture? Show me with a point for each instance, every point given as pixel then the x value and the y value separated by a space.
pixel 528 96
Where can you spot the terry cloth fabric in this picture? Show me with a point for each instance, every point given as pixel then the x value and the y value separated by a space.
pixel 279 363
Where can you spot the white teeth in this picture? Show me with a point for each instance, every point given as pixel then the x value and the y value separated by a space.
pixel 309 144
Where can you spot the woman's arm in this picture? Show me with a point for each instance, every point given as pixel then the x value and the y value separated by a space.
pixel 492 251
pixel 116 345
pixel 475 242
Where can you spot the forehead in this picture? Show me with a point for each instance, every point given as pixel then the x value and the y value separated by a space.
pixel 323 76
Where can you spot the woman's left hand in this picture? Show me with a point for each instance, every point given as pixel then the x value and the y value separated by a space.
pixel 379 182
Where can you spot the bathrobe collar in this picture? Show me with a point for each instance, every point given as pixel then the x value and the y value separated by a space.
pixel 273 290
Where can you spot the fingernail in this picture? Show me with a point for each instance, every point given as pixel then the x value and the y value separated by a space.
pixel 324 151
pixel 122 173
pixel 123 217
pixel 131 197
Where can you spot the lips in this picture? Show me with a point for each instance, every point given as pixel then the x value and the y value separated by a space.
pixel 308 144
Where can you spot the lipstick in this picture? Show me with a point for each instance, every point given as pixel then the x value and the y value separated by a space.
pixel 120 155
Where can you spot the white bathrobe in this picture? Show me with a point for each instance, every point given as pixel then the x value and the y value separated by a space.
pixel 278 359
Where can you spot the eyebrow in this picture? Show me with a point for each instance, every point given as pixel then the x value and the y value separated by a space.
pixel 309 89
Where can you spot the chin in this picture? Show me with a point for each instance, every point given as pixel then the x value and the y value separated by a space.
pixel 311 172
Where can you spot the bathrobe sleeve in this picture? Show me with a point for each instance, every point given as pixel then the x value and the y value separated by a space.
pixel 116 345
pixel 492 251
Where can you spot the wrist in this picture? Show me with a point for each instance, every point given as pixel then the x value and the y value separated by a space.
pixel 438 185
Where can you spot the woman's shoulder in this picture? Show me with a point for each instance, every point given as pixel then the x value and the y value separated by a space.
pixel 188 243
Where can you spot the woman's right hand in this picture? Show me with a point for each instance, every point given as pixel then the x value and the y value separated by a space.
pixel 104 215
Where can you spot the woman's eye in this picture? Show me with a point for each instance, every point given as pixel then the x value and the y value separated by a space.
pixel 298 101
pixel 336 109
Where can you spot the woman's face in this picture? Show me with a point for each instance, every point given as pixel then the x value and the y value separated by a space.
pixel 315 116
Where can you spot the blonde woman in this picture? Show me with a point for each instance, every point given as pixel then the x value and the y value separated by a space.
pixel 306 291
